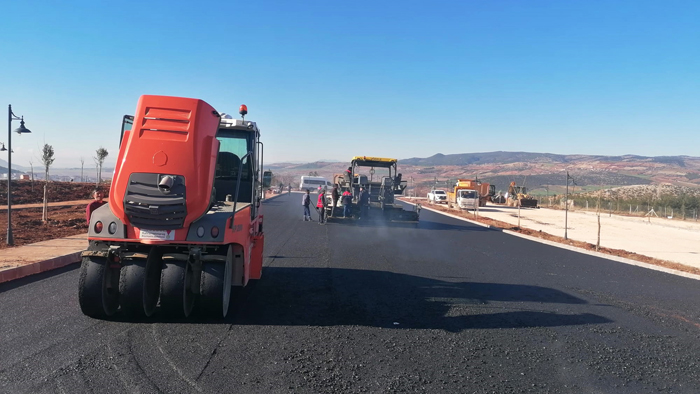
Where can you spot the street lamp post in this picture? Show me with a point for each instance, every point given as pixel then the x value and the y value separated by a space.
pixel 566 207
pixel 21 129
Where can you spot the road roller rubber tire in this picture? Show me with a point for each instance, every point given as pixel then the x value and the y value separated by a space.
pixel 176 297
pixel 216 289
pixel 98 288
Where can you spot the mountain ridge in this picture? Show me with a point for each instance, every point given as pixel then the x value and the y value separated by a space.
pixel 506 157
pixel 536 170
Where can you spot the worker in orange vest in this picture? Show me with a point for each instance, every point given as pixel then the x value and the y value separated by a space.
pixel 321 206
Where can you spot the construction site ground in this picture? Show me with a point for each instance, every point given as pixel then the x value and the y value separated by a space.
pixel 64 219
pixel 66 210
pixel 655 237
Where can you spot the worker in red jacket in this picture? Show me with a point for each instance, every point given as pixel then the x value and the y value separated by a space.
pixel 96 203
pixel 321 206
pixel 347 204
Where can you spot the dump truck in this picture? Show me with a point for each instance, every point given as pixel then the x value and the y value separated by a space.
pixel 464 195
pixel 485 191
pixel 518 197
pixel 183 225
pixel 382 188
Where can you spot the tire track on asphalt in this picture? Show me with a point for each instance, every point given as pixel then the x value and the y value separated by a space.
pixel 131 388
pixel 172 365
pixel 137 363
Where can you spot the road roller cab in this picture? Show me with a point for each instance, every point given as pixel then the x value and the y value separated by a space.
pixel 183 224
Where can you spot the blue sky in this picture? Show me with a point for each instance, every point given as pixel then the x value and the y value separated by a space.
pixel 331 80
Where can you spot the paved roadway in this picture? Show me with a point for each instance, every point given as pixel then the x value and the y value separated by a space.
pixel 447 307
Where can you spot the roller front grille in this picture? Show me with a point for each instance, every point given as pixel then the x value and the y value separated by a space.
pixel 148 207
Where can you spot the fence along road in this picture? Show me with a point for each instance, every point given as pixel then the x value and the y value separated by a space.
pixel 446 307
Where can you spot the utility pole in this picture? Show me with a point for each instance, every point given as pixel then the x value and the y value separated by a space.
pixel 566 205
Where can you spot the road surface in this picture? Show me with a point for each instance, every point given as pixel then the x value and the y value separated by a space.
pixel 446 307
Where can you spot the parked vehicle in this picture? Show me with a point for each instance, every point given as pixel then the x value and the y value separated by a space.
pixel 437 196
pixel 313 182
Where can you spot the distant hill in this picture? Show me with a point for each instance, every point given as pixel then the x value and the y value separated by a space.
pixel 3 170
pixel 501 157
pixel 463 159
pixel 541 173
pixel 15 167
pixel 293 166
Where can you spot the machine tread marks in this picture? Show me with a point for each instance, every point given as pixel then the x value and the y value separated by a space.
pixel 98 294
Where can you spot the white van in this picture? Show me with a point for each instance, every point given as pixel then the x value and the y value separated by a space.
pixel 313 182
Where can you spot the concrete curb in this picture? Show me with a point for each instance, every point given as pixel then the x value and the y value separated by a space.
pixel 39 267
pixel 573 248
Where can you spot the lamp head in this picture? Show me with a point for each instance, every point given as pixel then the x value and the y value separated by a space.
pixel 21 129
pixel 3 149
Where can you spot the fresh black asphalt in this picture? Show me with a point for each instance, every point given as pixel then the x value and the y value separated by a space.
pixel 448 307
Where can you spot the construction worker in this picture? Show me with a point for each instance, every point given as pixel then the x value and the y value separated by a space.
pixel 348 176
pixel 335 196
pixel 96 203
pixel 347 204
pixel 321 206
pixel 306 202
pixel 363 202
